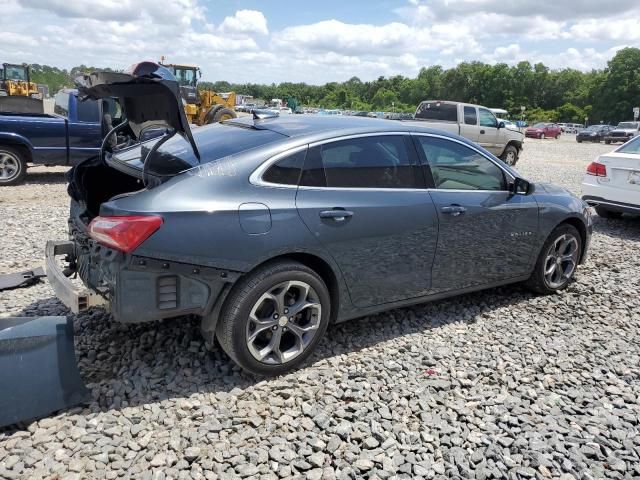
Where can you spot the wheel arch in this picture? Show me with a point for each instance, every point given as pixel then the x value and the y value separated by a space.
pixel 17 142
pixel 322 268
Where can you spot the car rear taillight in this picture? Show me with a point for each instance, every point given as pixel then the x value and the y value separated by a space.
pixel 597 169
pixel 123 233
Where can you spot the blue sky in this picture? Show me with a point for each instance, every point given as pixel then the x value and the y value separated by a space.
pixel 317 41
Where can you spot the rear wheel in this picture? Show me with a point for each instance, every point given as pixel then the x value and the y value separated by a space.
pixel 578 140
pixel 211 114
pixel 274 318
pixel 13 166
pixel 557 261
pixel 510 155
pixel 605 213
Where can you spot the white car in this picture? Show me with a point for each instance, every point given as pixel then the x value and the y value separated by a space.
pixel 612 183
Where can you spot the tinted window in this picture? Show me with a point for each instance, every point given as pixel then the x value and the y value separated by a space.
pixel 287 170
pixel 470 116
pixel 367 162
pixel 88 111
pixel 61 106
pixel 447 112
pixel 487 119
pixel 457 167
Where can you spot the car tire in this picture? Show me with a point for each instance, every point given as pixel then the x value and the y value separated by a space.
pixel 607 142
pixel 211 114
pixel 224 114
pixel 254 313
pixel 550 274
pixel 578 140
pixel 606 213
pixel 510 155
pixel 542 136
pixel 13 166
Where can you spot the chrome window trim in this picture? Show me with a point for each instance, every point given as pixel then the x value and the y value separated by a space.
pixel 256 176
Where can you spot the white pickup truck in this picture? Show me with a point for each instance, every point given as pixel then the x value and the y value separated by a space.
pixel 473 122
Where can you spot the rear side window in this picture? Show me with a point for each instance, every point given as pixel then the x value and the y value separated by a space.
pixel 446 112
pixel 286 171
pixel 470 116
pixel 88 111
pixel 366 162
pixel 457 167
pixel 61 106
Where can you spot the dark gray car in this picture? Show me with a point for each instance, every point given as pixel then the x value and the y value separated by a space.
pixel 271 229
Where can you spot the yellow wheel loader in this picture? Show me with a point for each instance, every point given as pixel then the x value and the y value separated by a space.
pixel 17 92
pixel 202 106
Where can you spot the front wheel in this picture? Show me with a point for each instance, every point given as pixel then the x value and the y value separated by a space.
pixel 510 155
pixel 557 261
pixel 13 166
pixel 274 318
pixel 542 136
pixel 607 142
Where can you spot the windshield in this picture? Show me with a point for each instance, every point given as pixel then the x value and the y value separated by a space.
pixel 185 76
pixel 16 73
pixel 594 127
pixel 539 125
pixel 632 146
pixel 628 125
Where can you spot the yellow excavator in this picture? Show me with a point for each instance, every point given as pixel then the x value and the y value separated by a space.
pixel 201 106
pixel 17 92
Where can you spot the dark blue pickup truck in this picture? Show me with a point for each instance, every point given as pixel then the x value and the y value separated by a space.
pixel 71 134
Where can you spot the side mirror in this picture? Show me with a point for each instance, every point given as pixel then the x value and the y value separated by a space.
pixel 501 125
pixel 520 186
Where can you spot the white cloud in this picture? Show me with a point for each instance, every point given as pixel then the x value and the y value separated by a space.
pixel 245 21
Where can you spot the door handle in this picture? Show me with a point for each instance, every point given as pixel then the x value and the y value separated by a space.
pixel 481 132
pixel 336 214
pixel 453 210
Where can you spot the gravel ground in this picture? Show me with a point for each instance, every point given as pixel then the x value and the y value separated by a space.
pixel 497 384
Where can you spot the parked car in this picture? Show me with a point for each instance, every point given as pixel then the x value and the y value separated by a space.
pixel 570 127
pixel 612 183
pixel 271 229
pixel 623 132
pixel 73 133
pixel 473 122
pixel 593 133
pixel 543 130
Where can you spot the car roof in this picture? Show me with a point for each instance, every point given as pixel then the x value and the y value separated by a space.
pixel 327 126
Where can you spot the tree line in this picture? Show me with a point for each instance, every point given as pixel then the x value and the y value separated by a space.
pixel 567 95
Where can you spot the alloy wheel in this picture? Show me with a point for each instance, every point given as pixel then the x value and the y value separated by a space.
pixel 283 322
pixel 9 166
pixel 510 158
pixel 561 260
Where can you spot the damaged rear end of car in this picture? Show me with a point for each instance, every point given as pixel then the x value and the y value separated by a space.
pixel 108 231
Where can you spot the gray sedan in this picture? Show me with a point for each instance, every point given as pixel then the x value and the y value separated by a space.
pixel 271 229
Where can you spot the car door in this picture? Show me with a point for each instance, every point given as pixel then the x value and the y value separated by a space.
pixel 85 132
pixel 469 127
pixel 489 131
pixel 486 234
pixel 363 199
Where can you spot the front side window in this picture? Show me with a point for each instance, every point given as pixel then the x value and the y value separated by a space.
pixel 365 162
pixel 286 171
pixel 487 119
pixel 470 116
pixel 457 167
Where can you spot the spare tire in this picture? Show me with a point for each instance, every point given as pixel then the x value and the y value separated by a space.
pixel 224 114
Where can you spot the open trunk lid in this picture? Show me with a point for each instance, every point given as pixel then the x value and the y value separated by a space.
pixel 149 95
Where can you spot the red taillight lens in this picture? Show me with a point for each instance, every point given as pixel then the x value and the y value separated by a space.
pixel 597 169
pixel 123 233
